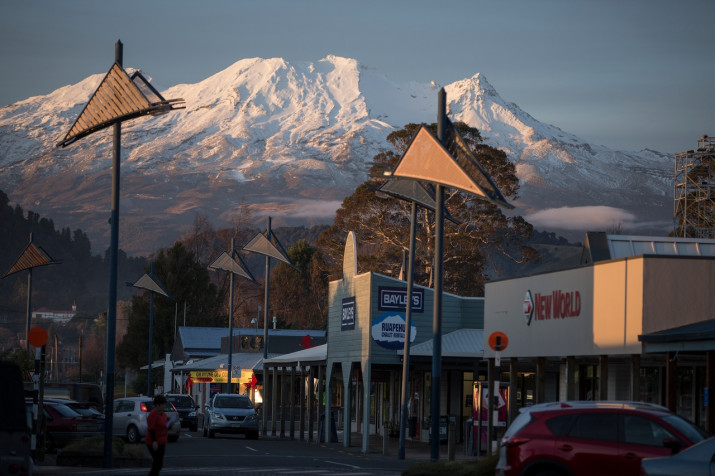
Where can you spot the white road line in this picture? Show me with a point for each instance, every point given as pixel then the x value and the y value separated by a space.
pixel 252 449
pixel 343 464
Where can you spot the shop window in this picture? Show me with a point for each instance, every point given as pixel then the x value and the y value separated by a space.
pixel 651 384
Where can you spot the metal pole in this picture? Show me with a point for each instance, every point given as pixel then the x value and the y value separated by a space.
pixel 80 358
pixel 437 312
pixel 28 318
pixel 112 305
pixel 151 333
pixel 408 329
pixel 230 320
pixel 265 299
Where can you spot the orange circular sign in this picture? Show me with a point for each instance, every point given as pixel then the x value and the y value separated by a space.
pixel 37 336
pixel 498 341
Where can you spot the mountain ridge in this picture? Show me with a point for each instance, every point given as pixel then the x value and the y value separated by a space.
pixel 292 140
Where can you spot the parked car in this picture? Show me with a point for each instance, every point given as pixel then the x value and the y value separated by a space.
pixel 81 392
pixel 698 460
pixel 14 431
pixel 187 409
pixel 130 415
pixel 64 425
pixel 85 409
pixel 591 438
pixel 230 413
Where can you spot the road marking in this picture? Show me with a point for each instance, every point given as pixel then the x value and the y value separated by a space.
pixel 252 449
pixel 343 464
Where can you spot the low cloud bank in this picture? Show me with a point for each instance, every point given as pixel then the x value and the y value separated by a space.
pixel 580 218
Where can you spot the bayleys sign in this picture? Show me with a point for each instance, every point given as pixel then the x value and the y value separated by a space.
pixel 558 304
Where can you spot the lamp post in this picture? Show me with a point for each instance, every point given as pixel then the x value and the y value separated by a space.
pixel 153 285
pixel 445 161
pixel 233 264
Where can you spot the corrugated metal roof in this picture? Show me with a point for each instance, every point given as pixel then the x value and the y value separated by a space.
pixel 599 246
pixel 621 246
pixel 209 338
pixel 245 361
pixel 313 354
pixel 460 343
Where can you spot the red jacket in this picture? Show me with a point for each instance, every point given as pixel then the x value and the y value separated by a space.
pixel 156 421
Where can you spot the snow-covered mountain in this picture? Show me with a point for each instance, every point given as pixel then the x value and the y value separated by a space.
pixel 291 140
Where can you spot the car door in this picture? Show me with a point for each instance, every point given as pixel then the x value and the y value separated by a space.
pixel 122 410
pixel 642 437
pixel 590 447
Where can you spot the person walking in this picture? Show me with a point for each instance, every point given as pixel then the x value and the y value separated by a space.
pixel 157 434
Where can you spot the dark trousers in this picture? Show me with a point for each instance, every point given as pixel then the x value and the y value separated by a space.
pixel 157 459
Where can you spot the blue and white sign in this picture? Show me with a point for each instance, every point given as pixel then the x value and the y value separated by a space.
pixel 347 322
pixel 388 330
pixel 395 299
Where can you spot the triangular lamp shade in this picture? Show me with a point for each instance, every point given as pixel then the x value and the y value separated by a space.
pixel 118 98
pixel 232 265
pixel 426 159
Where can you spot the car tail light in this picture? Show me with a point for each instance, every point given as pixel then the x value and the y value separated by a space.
pixel 143 407
pixel 513 442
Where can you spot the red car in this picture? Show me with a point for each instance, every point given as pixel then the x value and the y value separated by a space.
pixel 591 438
pixel 65 425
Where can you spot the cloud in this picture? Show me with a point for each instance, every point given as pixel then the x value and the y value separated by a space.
pixel 580 218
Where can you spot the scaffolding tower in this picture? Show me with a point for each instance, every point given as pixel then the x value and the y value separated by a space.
pixel 694 191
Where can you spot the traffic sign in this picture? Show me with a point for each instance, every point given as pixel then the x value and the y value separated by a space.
pixel 37 336
pixel 498 341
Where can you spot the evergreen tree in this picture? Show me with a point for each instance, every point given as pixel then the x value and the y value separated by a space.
pixel 382 224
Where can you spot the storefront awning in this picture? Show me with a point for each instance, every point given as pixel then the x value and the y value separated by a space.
pixel 253 361
pixel 460 343
pixel 316 354
pixel 699 336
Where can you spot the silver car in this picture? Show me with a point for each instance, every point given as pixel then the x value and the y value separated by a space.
pixel 230 413
pixel 130 418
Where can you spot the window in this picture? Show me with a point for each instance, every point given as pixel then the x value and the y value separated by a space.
pixel 639 430
pixel 595 426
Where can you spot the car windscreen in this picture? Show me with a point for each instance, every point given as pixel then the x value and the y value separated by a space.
pixel 691 431
pixel 65 411
pixel 182 402
pixel 228 402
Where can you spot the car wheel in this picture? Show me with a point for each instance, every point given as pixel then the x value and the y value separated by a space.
pixel 252 435
pixel 173 439
pixel 548 472
pixel 133 434
pixel 212 433
pixel 50 445
pixel 193 428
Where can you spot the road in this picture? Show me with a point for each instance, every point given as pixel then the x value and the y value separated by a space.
pixel 194 455
pixel 275 456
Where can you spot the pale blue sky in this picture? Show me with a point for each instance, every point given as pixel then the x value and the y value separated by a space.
pixel 627 74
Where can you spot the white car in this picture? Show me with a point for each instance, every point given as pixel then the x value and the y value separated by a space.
pixel 130 418
pixel 230 413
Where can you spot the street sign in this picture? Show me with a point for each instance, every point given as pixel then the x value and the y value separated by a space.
pixel 37 336
pixel 498 341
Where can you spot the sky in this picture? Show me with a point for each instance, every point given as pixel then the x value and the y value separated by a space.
pixel 626 74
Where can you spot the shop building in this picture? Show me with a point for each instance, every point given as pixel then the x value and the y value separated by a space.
pixel 635 321
pixel 366 331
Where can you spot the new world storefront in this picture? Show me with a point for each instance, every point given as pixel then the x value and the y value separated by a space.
pixel 592 332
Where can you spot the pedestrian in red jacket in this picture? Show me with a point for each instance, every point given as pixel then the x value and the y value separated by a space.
pixel 157 434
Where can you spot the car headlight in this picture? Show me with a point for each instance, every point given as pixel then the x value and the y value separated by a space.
pixel 218 416
pixel 192 414
pixel 252 417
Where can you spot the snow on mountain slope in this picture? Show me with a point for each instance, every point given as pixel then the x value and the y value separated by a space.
pixel 292 140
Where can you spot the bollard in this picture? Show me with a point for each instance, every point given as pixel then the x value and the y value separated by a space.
pixel 384 440
pixel 451 436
